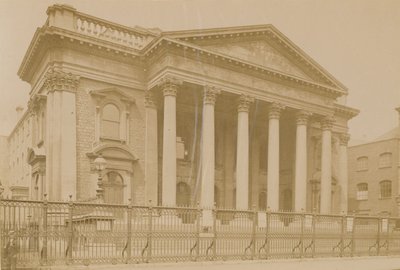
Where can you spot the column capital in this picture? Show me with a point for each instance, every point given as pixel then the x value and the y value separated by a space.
pixel 327 123
pixel 302 117
pixel 344 138
pixel 244 102
pixel 275 109
pixel 149 100
pixel 210 94
pixel 169 85
pixel 57 80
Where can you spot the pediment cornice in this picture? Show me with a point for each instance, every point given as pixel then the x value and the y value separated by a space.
pixel 267 31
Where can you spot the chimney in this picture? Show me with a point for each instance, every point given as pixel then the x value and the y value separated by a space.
pixel 19 110
pixel 398 110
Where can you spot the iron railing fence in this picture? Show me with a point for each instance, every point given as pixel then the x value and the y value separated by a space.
pixel 54 233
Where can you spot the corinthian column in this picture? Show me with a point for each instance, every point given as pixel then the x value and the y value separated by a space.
pixel 273 157
pixel 242 154
pixel 61 135
pixel 208 148
pixel 343 178
pixel 326 166
pixel 300 182
pixel 151 150
pixel 170 88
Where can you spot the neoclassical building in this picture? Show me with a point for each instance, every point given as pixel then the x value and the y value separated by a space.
pixel 236 116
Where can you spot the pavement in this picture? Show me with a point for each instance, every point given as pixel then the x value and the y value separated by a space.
pixel 358 263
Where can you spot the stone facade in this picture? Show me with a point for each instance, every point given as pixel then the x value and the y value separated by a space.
pixel 374 175
pixel 234 116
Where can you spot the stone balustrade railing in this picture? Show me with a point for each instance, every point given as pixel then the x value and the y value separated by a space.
pixel 111 32
pixel 67 17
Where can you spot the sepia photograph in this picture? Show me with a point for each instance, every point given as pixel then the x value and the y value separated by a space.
pixel 195 134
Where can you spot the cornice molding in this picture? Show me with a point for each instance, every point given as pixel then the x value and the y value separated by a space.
pixel 345 111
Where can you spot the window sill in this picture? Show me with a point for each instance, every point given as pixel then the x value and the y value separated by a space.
pixel 360 200
pixel 362 170
pixel 385 198
pixel 385 167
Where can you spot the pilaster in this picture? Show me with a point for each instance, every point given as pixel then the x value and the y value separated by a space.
pixel 61 134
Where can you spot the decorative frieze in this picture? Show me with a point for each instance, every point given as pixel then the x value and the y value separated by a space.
pixel 210 94
pixel 56 80
pixel 302 117
pixel 275 110
pixel 327 123
pixel 244 103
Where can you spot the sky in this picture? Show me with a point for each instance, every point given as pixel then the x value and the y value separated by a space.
pixel 357 41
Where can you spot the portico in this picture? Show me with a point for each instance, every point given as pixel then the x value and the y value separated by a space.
pixel 204 123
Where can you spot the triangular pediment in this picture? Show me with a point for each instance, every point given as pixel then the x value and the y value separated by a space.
pixel 258 52
pixel 261 45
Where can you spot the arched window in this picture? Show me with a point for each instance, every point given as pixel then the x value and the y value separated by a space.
pixel 362 163
pixel 385 160
pixel 110 121
pixel 113 188
pixel 385 189
pixel 362 191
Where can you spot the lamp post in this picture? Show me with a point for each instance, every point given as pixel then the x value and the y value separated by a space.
pixel 100 164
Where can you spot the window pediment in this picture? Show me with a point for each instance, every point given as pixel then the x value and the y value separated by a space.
pixel 114 151
pixel 113 92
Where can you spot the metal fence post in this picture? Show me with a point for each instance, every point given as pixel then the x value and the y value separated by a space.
pixel 44 248
pixel 303 218
pixel 353 230
pixel 378 237
pixel 342 233
pixel 198 226
pixel 214 231
pixel 267 231
pixel 253 233
pixel 314 218
pixel 129 232
pixel 1 223
pixel 150 231
pixel 71 230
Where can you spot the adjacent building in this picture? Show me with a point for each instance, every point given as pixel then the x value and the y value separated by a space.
pixel 374 175
pixel 236 116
